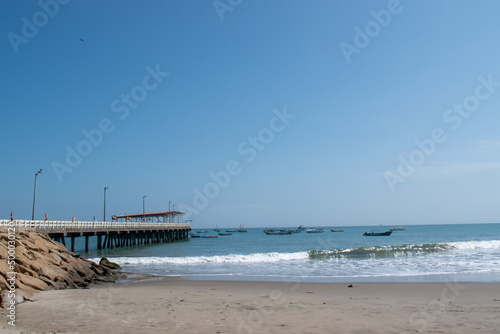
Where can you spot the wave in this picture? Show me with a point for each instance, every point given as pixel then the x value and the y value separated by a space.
pixel 402 250
pixel 469 245
pixel 362 252
pixel 231 258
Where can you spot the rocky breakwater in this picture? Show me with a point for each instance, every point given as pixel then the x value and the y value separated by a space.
pixel 42 264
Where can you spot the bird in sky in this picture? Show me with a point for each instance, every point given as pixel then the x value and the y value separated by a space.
pixel 81 39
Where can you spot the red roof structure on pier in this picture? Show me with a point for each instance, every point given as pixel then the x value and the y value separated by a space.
pixel 151 214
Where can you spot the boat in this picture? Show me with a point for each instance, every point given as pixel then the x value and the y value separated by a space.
pixel 397 229
pixel 195 236
pixel 202 231
pixel 376 234
pixel 280 232
pixel 301 228
pixel 315 230
pixel 231 231
pixel 209 236
pixel 337 230
pixel 225 233
pixel 241 229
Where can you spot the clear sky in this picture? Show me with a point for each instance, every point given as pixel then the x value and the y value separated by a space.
pixel 258 113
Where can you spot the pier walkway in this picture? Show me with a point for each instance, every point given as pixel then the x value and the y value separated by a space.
pixel 109 235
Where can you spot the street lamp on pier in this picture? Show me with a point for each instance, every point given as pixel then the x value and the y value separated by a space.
pixel 144 208
pixel 169 211
pixel 105 188
pixel 34 195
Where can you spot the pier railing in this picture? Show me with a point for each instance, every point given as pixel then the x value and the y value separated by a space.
pixel 68 224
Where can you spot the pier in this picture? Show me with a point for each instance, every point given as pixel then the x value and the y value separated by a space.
pixel 115 234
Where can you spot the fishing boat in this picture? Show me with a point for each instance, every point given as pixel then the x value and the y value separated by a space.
pixel 280 232
pixel 315 230
pixel 337 230
pixel 397 229
pixel 231 231
pixel 209 236
pixel 301 228
pixel 202 231
pixel 241 229
pixel 376 234
pixel 225 233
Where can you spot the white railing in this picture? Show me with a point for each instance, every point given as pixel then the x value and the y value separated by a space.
pixel 68 224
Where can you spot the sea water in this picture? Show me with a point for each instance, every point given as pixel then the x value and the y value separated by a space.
pixel 420 253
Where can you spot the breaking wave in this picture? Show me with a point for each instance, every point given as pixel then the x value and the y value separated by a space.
pixel 402 250
pixel 391 251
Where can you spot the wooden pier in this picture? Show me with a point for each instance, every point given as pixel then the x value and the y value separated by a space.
pixel 109 234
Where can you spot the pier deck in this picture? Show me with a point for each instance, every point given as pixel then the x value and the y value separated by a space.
pixel 109 234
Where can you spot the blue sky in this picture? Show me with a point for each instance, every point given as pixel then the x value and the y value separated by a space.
pixel 334 132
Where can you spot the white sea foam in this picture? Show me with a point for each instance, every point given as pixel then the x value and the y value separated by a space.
pixel 231 258
pixel 476 245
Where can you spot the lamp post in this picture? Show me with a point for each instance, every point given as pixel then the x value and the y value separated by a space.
pixel 144 208
pixel 105 188
pixel 169 220
pixel 34 195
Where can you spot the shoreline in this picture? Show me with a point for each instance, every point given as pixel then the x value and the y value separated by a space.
pixel 491 277
pixel 196 306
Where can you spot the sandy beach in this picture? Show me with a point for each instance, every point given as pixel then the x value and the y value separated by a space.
pixel 178 306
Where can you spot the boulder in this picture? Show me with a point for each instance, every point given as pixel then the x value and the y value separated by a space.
pixel 32 282
pixel 52 272
pixel 54 258
pixel 6 300
pixel 26 271
pixel 108 264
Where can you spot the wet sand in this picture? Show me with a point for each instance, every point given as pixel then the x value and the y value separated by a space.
pixel 178 306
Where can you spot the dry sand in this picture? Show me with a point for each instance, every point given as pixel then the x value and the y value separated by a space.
pixel 263 307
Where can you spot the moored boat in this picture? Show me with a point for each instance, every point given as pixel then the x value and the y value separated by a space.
pixel 225 233
pixel 376 234
pixel 315 230
pixel 397 229
pixel 337 230
pixel 241 229
pixel 280 232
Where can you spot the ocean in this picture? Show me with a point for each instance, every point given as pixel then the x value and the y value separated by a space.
pixel 420 253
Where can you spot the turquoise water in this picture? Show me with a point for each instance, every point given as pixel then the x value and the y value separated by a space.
pixel 419 253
